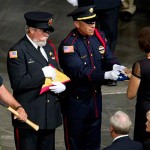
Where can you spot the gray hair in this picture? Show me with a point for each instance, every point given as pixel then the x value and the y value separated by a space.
pixel 148 113
pixel 27 29
pixel 120 122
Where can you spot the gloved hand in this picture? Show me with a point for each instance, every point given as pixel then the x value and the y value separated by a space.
pixel 112 75
pixel 57 87
pixel 73 2
pixel 118 68
pixel 49 72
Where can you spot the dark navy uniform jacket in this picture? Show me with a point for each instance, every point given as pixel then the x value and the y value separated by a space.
pixel 106 4
pixel 124 143
pixel 100 4
pixel 26 77
pixel 84 60
pixel 1 81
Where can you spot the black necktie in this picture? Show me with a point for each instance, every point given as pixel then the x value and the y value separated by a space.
pixel 42 51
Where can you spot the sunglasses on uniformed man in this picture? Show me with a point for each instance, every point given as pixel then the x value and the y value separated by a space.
pixel 90 21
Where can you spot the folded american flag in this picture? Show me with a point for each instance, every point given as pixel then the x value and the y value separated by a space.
pixel 122 77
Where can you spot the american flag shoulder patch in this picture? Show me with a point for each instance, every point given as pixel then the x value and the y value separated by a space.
pixel 13 54
pixel 68 49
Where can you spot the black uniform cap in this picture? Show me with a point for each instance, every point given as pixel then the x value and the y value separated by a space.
pixel 41 20
pixel 83 13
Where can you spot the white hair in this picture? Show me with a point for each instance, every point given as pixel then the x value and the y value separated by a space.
pixel 120 122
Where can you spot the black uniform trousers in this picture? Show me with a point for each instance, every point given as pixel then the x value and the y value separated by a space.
pixel 41 140
pixel 82 134
pixel 107 21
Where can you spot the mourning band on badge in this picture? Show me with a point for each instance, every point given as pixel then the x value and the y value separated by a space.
pixel 102 50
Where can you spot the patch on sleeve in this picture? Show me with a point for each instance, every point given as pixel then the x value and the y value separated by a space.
pixel 13 54
pixel 68 49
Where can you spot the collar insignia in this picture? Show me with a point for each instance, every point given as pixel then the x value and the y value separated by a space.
pixel 50 53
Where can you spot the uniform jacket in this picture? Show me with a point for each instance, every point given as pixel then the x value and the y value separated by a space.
pixel 1 81
pixel 100 4
pixel 26 77
pixel 84 60
pixel 124 143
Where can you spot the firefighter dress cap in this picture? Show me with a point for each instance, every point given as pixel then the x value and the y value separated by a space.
pixel 40 20
pixel 83 13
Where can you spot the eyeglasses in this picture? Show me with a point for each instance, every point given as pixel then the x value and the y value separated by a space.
pixel 89 21
pixel 48 32
pixel 45 31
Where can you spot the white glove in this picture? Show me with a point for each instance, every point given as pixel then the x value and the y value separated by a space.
pixel 73 2
pixel 112 75
pixel 57 87
pixel 118 67
pixel 49 72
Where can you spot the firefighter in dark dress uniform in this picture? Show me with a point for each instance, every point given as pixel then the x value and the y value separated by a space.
pixel 107 12
pixel 86 58
pixel 28 66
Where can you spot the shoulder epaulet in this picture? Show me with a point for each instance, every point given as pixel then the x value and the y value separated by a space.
pixel 71 38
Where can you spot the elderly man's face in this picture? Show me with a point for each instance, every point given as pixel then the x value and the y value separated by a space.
pixel 148 123
pixel 39 36
pixel 84 28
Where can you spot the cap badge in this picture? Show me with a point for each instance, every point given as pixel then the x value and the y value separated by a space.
pixel 50 22
pixel 91 10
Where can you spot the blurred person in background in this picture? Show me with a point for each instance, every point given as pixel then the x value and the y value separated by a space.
pixel 127 10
